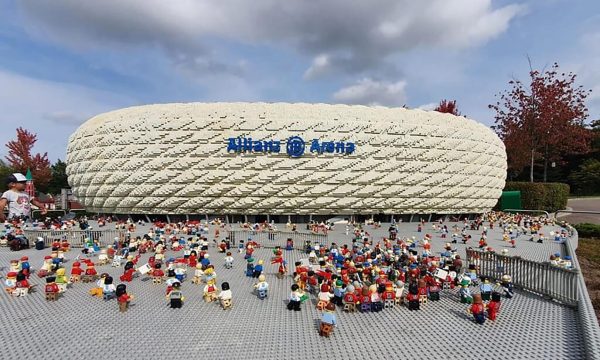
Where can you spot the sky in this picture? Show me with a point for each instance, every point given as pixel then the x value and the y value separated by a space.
pixel 64 61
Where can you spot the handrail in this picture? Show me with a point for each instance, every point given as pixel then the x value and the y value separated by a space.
pixel 576 212
pixel 534 211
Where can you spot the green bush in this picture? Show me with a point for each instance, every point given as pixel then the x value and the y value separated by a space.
pixel 587 230
pixel 541 196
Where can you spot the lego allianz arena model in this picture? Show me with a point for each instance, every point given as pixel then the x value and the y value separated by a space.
pixel 298 159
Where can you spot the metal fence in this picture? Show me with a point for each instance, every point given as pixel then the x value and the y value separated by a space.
pixel 76 238
pixel 542 278
pixel 271 239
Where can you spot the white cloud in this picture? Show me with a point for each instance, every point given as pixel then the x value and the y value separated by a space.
pixel 370 92
pixel 428 106
pixel 52 110
pixel 340 35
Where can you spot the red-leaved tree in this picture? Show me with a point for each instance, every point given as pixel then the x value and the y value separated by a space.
pixel 20 158
pixel 543 119
pixel 448 107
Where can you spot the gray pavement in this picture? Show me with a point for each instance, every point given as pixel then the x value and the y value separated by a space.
pixel 78 326
pixel 583 204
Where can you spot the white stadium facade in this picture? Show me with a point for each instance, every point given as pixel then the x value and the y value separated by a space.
pixel 281 160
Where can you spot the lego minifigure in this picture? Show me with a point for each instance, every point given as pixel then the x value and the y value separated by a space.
pixel 295 300
pixel 61 280
pixel 389 295
pixel 365 300
pixel 10 282
pixel 485 289
pixel 108 288
pixel 22 285
pixel 413 297
pixel 210 274
pixel 46 266
pixel 25 267
pixel 210 291
pixel 376 303
pixel 250 267
pixel 350 300
pixel 225 296
pixel 324 297
pixel 328 321
pixel 494 306
pixel 478 309
pixel 76 272
pixel 261 287
pixel 157 274
pixel 103 257
pixel 465 292
pixel 175 296
pixel 228 261
pixel 198 274
pixel 123 298
pixel 507 286
pixel 51 289
pixel 258 269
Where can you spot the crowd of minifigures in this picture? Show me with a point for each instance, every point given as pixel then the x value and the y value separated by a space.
pixel 366 276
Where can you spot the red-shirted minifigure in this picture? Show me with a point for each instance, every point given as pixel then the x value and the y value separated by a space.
pixel 123 298
pixel 494 306
pixel 192 260
pixel 76 272
pixel 51 289
pixel 90 269
pixel 478 309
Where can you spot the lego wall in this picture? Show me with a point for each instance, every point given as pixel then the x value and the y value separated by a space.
pixel 259 158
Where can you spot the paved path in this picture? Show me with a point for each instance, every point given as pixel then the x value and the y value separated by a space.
pixel 583 204
pixel 78 326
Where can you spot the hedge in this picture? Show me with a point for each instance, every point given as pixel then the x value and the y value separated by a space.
pixel 540 196
pixel 587 230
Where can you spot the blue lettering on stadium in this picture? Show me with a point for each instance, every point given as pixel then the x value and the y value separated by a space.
pixel 295 146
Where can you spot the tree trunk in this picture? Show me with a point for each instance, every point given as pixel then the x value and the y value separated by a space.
pixel 545 162
pixel 531 168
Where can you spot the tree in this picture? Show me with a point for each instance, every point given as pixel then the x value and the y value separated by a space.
pixel 59 177
pixel 5 170
pixel 543 119
pixel 448 107
pixel 586 179
pixel 20 158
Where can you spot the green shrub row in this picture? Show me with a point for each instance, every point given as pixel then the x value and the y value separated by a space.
pixel 587 230
pixel 541 196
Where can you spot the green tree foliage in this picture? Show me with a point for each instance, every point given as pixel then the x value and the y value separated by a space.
pixel 58 179
pixel 586 179
pixel 5 170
